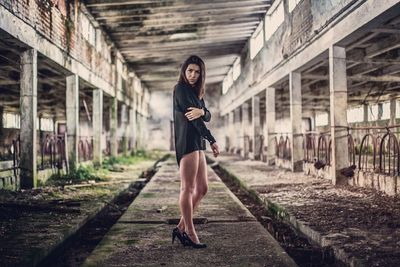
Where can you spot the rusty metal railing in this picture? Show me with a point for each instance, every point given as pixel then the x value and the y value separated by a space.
pixel 323 151
pixel 14 150
pixel 283 149
pixel 378 151
pixel 309 147
pixel 52 152
pixel 85 148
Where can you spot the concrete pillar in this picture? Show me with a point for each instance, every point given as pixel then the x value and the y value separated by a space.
pixel 97 126
pixel 380 111
pixel 139 130
pixel 231 129
pixel 1 123
pixel 256 125
pixel 132 127
pixel 72 112
pixel 114 127
pixel 270 122
pixel 237 112
pixel 365 106
pixel 124 128
pixel 393 111
pixel 296 137
pixel 338 107
pixel 244 128
pixel 28 111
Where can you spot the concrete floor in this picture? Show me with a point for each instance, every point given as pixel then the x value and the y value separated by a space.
pixel 142 236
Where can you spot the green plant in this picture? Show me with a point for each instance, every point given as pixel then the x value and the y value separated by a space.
pixel 81 174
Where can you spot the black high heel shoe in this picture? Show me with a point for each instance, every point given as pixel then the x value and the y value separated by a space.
pixel 189 242
pixel 177 233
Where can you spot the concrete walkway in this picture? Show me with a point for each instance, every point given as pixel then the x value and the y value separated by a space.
pixel 142 236
pixel 361 225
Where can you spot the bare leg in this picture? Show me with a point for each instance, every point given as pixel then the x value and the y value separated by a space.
pixel 200 189
pixel 188 172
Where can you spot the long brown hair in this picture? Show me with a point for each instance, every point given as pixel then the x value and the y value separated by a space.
pixel 199 87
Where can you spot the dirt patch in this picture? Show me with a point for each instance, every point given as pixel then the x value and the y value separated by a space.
pixel 362 223
pixel 297 246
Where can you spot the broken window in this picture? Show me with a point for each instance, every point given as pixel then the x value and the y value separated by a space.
pixel 292 4
pixel 273 19
pixel 236 69
pixel 257 40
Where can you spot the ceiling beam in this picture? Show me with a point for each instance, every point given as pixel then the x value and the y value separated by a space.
pixel 158 3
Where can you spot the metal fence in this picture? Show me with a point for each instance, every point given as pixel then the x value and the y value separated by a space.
pixel 85 148
pixel 52 152
pixel 377 152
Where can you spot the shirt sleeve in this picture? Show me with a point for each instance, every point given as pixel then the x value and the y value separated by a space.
pixel 187 99
pixel 207 114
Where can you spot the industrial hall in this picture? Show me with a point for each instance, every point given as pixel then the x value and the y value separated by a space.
pixel 200 133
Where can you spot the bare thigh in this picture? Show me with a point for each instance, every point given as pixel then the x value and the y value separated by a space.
pixel 201 178
pixel 188 169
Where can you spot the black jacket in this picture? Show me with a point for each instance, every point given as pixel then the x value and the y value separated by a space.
pixel 189 134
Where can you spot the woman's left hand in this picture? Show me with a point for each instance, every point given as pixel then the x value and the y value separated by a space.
pixel 194 113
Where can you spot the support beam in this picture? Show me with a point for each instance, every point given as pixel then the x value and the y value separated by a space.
pixel 28 111
pixel 270 122
pixel 114 127
pixel 365 106
pixel 72 112
pixel 132 126
pixel 124 129
pixel 97 126
pixel 1 123
pixel 237 112
pixel 393 107
pixel 296 139
pixel 338 110
pixel 231 130
pixel 244 129
pixel 256 125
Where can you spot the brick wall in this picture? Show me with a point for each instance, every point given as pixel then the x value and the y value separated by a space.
pixel 63 31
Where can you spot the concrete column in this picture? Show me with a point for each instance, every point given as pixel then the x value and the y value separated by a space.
pixel 365 106
pixel 296 139
pixel 124 128
pixel 132 127
pixel 393 111
pixel 139 129
pixel 28 111
pixel 256 125
pixel 244 128
pixel 72 105
pixel 338 107
pixel 114 127
pixel 1 123
pixel 97 126
pixel 270 122
pixel 237 128
pixel 380 111
pixel 231 129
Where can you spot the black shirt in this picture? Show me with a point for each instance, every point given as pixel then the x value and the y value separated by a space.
pixel 189 134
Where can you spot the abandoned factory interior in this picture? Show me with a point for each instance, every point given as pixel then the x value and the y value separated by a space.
pixel 260 132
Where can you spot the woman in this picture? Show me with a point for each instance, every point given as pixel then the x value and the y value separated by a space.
pixel 190 131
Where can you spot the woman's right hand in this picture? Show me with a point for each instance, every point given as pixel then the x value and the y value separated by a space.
pixel 215 149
